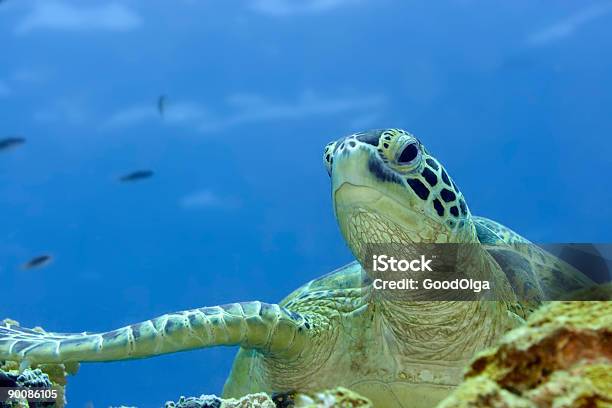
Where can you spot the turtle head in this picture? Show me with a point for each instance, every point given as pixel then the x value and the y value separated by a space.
pixel 387 188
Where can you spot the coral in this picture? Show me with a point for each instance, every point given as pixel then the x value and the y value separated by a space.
pixel 336 398
pixel 260 400
pixel 33 378
pixel 562 357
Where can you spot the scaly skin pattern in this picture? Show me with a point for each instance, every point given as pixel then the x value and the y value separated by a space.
pixel 270 328
pixel 338 330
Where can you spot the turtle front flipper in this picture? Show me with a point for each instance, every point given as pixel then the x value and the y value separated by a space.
pixel 269 328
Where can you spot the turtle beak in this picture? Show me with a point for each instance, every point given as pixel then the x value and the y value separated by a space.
pixel 350 177
pixel 360 178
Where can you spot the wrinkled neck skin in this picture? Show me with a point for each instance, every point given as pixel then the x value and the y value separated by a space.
pixel 398 353
pixel 427 341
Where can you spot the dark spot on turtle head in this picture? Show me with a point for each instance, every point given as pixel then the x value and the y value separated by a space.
pixel 439 207
pixel 445 178
pixel 454 210
pixel 429 176
pixel 432 163
pixel 419 188
pixel 386 145
pixel 370 137
pixel 307 325
pixel 447 195
pixel 381 172
pixel 337 147
pixel 352 143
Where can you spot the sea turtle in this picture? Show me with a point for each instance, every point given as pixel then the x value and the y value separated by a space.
pixel 338 330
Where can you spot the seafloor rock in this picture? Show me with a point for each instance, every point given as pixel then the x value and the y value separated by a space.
pixel 561 358
pixel 260 400
pixel 40 376
pixel 336 398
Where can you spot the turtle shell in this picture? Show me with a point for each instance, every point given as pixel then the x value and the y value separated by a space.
pixel 534 274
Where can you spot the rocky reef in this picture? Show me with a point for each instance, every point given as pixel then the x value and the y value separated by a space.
pixel 336 398
pixel 561 358
pixel 259 400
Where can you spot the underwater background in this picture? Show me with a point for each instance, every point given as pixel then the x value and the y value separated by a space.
pixel 230 104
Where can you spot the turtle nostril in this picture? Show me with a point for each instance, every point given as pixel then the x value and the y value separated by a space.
pixel 370 137
pixel 352 143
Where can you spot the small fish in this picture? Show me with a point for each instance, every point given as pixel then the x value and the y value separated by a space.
pixel 161 105
pixel 10 142
pixel 37 262
pixel 136 175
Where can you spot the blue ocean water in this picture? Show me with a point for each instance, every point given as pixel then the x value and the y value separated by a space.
pixel 514 98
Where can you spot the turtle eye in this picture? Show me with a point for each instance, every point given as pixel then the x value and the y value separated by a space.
pixel 408 154
pixel 328 156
